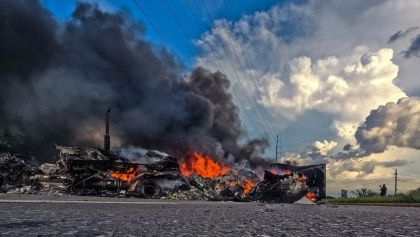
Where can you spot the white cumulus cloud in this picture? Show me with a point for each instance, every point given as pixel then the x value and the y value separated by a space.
pixel 321 66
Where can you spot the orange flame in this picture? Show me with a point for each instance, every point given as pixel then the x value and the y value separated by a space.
pixel 127 175
pixel 205 166
pixel 311 196
pixel 246 185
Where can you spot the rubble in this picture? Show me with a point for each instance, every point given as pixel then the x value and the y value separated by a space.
pixel 15 170
pixel 49 169
pixel 145 174
pixel 279 188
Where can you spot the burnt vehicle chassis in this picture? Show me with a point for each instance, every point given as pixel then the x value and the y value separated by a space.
pixel 92 171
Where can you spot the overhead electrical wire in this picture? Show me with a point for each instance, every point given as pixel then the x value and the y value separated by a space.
pixel 268 117
pixel 188 37
pixel 235 72
pixel 245 57
pixel 218 61
pixel 162 38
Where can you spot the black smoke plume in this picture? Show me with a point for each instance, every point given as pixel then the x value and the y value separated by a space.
pixel 57 80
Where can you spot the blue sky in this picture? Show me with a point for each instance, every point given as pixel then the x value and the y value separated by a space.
pixel 162 18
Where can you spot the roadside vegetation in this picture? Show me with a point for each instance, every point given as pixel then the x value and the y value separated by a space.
pixel 368 196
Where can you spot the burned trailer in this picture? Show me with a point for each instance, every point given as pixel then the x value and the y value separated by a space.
pixel 93 171
pixel 79 170
pixel 315 176
pixel 83 162
pixel 285 183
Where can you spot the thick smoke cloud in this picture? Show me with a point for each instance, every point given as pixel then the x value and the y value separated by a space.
pixel 392 124
pixel 58 81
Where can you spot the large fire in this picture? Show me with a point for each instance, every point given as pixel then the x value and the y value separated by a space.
pixel 205 166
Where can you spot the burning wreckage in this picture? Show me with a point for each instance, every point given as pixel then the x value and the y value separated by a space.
pixel 154 174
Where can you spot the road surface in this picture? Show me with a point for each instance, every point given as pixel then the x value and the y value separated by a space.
pixel 34 215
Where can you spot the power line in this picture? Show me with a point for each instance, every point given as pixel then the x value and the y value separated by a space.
pixel 185 33
pixel 188 37
pixel 241 68
pixel 267 117
pixel 212 50
pixel 162 38
pixel 233 67
pixel 218 61
pixel 245 57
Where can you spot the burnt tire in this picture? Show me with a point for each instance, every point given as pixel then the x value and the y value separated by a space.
pixel 149 189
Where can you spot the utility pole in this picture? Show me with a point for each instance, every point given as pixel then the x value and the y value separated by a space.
pixel 107 138
pixel 396 178
pixel 278 147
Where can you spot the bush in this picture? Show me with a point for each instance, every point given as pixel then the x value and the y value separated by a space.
pixel 364 192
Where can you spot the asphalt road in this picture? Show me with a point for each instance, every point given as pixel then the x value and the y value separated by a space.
pixel 32 215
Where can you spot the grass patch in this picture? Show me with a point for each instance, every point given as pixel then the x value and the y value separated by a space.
pixel 399 198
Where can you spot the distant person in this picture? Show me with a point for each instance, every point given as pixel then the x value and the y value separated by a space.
pixel 383 189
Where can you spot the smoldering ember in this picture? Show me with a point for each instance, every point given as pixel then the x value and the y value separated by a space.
pixel 137 172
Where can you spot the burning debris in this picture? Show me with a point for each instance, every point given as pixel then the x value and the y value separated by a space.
pixel 154 174
pixel 280 188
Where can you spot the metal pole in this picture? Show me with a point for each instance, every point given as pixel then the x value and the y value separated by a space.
pixel 396 178
pixel 277 145
pixel 107 138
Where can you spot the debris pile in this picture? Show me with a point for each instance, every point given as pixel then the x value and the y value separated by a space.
pixel 15 171
pixel 228 187
pixel 280 188
pixel 149 174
